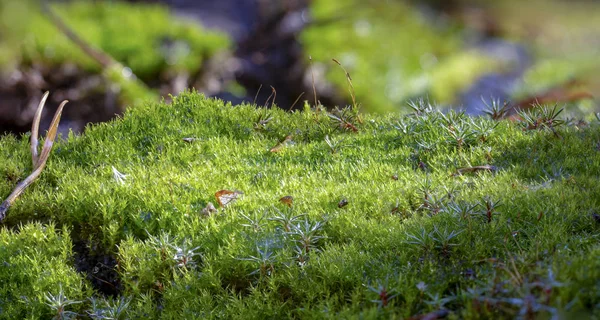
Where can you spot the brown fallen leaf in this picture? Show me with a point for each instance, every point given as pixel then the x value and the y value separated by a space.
pixel 287 200
pixel 486 167
pixel 279 146
pixel 540 216
pixel 225 197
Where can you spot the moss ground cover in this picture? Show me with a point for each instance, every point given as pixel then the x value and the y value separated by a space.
pixel 146 38
pixel 394 52
pixel 151 45
pixel 387 216
pixel 397 52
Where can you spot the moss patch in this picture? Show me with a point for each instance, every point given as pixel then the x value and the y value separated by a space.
pixel 413 237
pixel 393 52
pixel 146 38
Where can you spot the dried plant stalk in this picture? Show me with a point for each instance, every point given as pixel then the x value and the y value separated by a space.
pixel 349 79
pixel 39 161
pixel 35 128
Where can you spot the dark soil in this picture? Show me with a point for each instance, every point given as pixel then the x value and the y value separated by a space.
pixel 99 267
pixel 91 99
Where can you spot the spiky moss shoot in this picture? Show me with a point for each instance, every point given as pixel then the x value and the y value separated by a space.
pixel 518 239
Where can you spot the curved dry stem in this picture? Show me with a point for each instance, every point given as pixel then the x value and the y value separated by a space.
pixel 35 126
pixel 51 135
pixel 39 163
pixel 19 189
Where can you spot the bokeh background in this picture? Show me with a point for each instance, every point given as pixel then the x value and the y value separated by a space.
pixel 459 54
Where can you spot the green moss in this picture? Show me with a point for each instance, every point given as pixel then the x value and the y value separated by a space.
pixel 410 225
pixel 561 44
pixel 36 261
pixel 392 52
pixel 145 38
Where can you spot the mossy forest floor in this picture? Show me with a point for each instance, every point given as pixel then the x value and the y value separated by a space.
pixel 331 215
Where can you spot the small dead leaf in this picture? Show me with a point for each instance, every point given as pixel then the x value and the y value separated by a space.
pixel 225 197
pixel 343 203
pixel 159 285
pixel 209 209
pixel 279 146
pixel 287 200
pixel 396 208
pixel 395 177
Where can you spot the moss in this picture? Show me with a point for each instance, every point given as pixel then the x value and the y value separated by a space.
pixel 145 38
pixel 36 261
pixel 561 44
pixel 393 53
pixel 150 44
pixel 475 244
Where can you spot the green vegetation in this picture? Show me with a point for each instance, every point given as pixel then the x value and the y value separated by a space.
pixel 396 52
pixel 145 38
pixel 393 52
pixel 563 44
pixel 36 260
pixel 389 216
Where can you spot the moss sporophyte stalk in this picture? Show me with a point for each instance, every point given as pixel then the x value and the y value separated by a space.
pixel 443 215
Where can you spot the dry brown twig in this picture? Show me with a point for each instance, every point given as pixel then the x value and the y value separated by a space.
pixel 38 160
pixel 105 60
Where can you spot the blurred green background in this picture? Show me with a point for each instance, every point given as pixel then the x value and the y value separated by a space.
pixel 455 53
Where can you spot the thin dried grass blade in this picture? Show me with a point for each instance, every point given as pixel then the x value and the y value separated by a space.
pixel 35 127
pixel 274 96
pixel 312 74
pixel 349 79
pixel 51 136
pixel 256 96
pixel 293 104
pixel 41 161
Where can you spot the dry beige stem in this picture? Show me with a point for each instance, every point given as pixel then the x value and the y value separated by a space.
pixel 39 161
